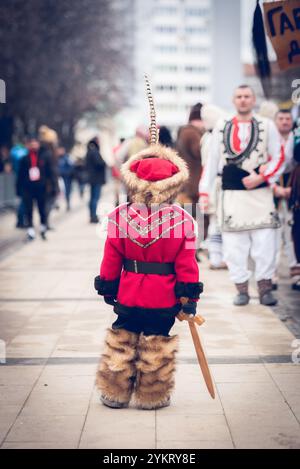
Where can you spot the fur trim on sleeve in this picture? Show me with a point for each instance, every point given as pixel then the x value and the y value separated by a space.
pixel 189 290
pixel 106 287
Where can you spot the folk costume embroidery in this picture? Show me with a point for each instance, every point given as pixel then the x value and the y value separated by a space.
pixel 241 148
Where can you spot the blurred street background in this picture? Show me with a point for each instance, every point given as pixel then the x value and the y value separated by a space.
pixel 72 110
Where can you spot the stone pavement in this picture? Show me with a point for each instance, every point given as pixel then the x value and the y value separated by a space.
pixel 288 307
pixel 53 325
pixel 12 238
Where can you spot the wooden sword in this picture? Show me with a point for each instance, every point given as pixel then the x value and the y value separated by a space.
pixel 193 320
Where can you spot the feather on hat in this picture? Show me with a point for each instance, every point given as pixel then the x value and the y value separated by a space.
pixel 156 174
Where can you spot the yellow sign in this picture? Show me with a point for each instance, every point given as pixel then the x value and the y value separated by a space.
pixel 282 19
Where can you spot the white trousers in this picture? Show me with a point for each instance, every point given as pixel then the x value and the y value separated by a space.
pixel 259 244
pixel 215 248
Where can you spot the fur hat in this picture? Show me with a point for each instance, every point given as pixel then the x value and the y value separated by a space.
pixel 154 175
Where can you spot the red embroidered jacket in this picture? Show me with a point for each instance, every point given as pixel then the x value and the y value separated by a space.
pixel 164 234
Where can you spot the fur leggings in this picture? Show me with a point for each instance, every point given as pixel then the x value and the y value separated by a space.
pixel 134 365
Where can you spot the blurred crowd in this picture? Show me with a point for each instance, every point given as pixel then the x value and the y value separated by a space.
pixel 44 169
pixel 194 142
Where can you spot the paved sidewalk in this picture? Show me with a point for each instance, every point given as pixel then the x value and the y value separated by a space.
pixel 53 324
pixel 12 238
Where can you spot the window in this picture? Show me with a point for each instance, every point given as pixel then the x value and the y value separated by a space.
pixel 171 49
pixel 165 10
pixel 166 29
pixel 168 107
pixel 195 68
pixel 196 12
pixel 194 30
pixel 166 68
pixel 166 87
pixel 195 49
pixel 193 88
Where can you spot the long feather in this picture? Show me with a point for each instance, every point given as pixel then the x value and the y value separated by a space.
pixel 153 128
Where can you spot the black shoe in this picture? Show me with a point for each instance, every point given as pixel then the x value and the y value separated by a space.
pixel 30 234
pixel 267 299
pixel 94 220
pixel 241 299
pixel 295 286
pixel 43 230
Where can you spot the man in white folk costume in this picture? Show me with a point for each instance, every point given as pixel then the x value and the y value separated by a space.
pixel 248 147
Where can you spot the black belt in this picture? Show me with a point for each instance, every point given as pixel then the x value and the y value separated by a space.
pixel 159 268
pixel 232 178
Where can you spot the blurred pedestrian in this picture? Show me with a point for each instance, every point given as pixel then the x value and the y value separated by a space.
pixel 284 124
pixel 34 174
pixel 80 174
pixel 211 114
pixel 5 163
pixel 247 148
pixel 130 147
pixel 66 172
pixel 17 153
pixel 48 144
pixel 188 147
pixel 295 205
pixel 165 136
pixel 96 168
pixel 138 142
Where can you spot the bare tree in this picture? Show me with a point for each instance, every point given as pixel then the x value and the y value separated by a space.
pixel 62 58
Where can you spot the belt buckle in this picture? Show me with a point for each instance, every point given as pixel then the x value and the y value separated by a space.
pixel 135 267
